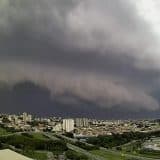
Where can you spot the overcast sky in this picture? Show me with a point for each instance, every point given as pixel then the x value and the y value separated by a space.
pixel 105 52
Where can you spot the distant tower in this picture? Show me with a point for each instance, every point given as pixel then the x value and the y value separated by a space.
pixel 24 117
pixel 27 117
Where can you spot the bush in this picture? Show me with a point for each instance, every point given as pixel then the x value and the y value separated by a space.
pixel 75 156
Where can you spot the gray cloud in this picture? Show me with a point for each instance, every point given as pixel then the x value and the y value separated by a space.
pixel 98 89
pixel 99 51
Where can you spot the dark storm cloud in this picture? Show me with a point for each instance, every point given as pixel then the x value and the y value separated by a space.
pixel 27 96
pixel 89 49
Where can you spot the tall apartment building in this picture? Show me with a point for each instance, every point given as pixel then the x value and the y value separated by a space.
pixel 27 117
pixel 81 122
pixel 68 125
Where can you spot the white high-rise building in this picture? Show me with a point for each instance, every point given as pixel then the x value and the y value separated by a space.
pixel 68 125
pixel 81 122
pixel 27 117
pixel 24 117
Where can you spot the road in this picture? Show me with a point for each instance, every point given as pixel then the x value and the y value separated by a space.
pixel 72 140
pixel 82 151
pixel 50 136
pixel 78 149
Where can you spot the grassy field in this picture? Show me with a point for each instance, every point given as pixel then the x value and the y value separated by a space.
pixel 111 156
pixel 38 136
pixel 36 155
pixel 150 154
pixel 3 131
pixel 108 155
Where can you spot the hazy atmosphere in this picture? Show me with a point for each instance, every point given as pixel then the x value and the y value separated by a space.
pixel 80 58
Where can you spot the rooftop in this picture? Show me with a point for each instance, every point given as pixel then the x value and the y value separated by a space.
pixel 8 154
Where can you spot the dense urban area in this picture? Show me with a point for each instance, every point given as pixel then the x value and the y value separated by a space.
pixel 56 138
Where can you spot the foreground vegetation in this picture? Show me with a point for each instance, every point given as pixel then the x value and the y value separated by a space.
pixel 26 141
pixel 35 155
pixel 108 155
pixel 128 143
pixel 3 131
pixel 109 141
pixel 39 146
pixel 72 155
pixel 36 145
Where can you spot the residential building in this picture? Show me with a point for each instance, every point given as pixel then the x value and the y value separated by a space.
pixel 68 125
